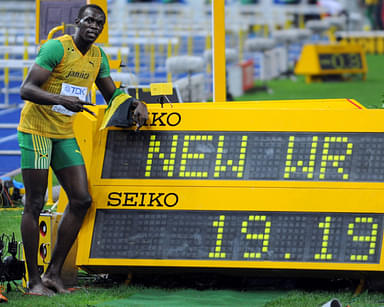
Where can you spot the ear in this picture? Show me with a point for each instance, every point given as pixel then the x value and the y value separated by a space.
pixel 77 21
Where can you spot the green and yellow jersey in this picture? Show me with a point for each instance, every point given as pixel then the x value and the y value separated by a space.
pixel 72 74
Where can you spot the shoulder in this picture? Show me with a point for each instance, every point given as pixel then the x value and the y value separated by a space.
pixel 102 53
pixel 51 45
pixel 50 54
pixel 104 60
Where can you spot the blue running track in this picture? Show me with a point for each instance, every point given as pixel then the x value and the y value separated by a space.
pixel 9 158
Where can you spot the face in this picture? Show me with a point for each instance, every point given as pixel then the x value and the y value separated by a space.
pixel 90 25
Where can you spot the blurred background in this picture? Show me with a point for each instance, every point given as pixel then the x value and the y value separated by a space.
pixel 171 41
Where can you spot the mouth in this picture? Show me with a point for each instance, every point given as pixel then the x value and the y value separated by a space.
pixel 92 34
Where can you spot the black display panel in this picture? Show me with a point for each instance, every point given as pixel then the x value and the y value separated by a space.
pixel 223 155
pixel 336 61
pixel 237 236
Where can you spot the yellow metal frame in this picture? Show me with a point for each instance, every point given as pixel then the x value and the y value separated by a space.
pixel 288 196
pixel 218 56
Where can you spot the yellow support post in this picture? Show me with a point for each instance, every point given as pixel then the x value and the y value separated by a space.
pixel 241 44
pixel 119 59
pixel 177 46
pixel 380 44
pixel 6 70
pixel 137 58
pixel 137 55
pixel 218 56
pixel 152 59
pixel 169 54
pixel 25 57
pixel 266 30
pixel 161 49
pixel 49 188
pixel 301 21
pixel 208 46
pixel 93 94
pixel 190 43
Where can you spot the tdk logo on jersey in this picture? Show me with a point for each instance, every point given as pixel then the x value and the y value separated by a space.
pixel 77 74
pixel 77 91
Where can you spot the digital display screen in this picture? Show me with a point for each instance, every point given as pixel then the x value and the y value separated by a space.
pixel 227 155
pixel 237 236
pixel 337 61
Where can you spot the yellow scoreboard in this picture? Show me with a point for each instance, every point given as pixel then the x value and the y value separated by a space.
pixel 320 60
pixel 237 185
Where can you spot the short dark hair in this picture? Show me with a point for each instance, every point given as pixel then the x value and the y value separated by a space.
pixel 93 6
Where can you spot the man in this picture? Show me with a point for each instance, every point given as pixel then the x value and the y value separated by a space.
pixel 64 66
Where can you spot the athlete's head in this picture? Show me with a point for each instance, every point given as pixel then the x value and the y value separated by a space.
pixel 90 22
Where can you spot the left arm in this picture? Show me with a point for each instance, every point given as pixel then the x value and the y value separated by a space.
pixel 107 88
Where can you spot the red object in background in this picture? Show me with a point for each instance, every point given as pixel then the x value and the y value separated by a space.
pixel 247 69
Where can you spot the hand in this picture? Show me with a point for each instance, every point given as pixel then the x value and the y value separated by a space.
pixel 74 104
pixel 140 113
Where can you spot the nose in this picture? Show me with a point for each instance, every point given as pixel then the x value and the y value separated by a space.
pixel 94 24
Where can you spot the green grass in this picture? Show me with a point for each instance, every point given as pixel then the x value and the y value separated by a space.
pixel 10 222
pixel 318 298
pixel 368 92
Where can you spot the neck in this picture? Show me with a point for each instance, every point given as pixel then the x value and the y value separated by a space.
pixel 81 44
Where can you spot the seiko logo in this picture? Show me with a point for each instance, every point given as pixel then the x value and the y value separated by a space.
pixel 133 199
pixel 164 119
pixel 77 74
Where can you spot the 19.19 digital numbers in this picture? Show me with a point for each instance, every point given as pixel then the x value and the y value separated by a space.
pixel 222 155
pixel 237 236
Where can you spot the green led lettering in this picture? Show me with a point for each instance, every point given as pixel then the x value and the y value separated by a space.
pixel 264 237
pixel 218 253
pixel 337 61
pixel 331 159
pixel 324 254
pixel 187 155
pixel 354 60
pixel 154 153
pixel 370 239
pixel 223 166
pixel 301 165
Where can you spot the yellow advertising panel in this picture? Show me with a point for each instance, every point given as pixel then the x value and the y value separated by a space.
pixel 237 187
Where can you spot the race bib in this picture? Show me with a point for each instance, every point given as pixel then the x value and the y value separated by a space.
pixel 70 90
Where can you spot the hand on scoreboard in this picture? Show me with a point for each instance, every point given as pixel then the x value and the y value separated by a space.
pixel 140 113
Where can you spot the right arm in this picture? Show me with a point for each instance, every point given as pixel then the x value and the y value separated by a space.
pixel 31 90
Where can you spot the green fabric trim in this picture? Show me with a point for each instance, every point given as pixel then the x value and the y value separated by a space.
pixel 50 54
pixel 116 93
pixel 104 71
